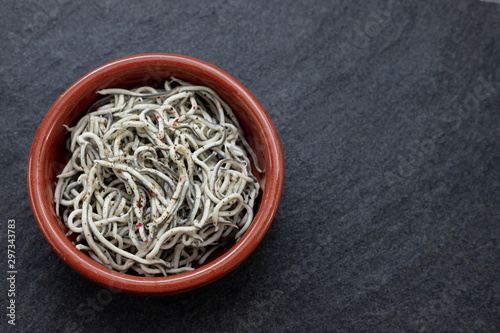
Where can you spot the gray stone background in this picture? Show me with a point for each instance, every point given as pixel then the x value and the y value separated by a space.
pixel 388 112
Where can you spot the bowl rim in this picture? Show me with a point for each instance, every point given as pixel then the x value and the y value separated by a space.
pixel 48 224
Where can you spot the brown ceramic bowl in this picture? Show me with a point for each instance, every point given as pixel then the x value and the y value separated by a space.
pixel 48 155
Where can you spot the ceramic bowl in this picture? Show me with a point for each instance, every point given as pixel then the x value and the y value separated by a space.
pixel 48 155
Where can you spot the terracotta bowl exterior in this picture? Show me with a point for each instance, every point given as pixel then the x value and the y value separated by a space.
pixel 48 154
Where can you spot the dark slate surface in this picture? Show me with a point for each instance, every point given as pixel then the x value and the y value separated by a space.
pixel 388 112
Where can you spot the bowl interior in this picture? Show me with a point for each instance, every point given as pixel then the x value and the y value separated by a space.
pixel 142 75
pixel 49 156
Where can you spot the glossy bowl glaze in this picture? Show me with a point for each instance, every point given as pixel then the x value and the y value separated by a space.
pixel 48 155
